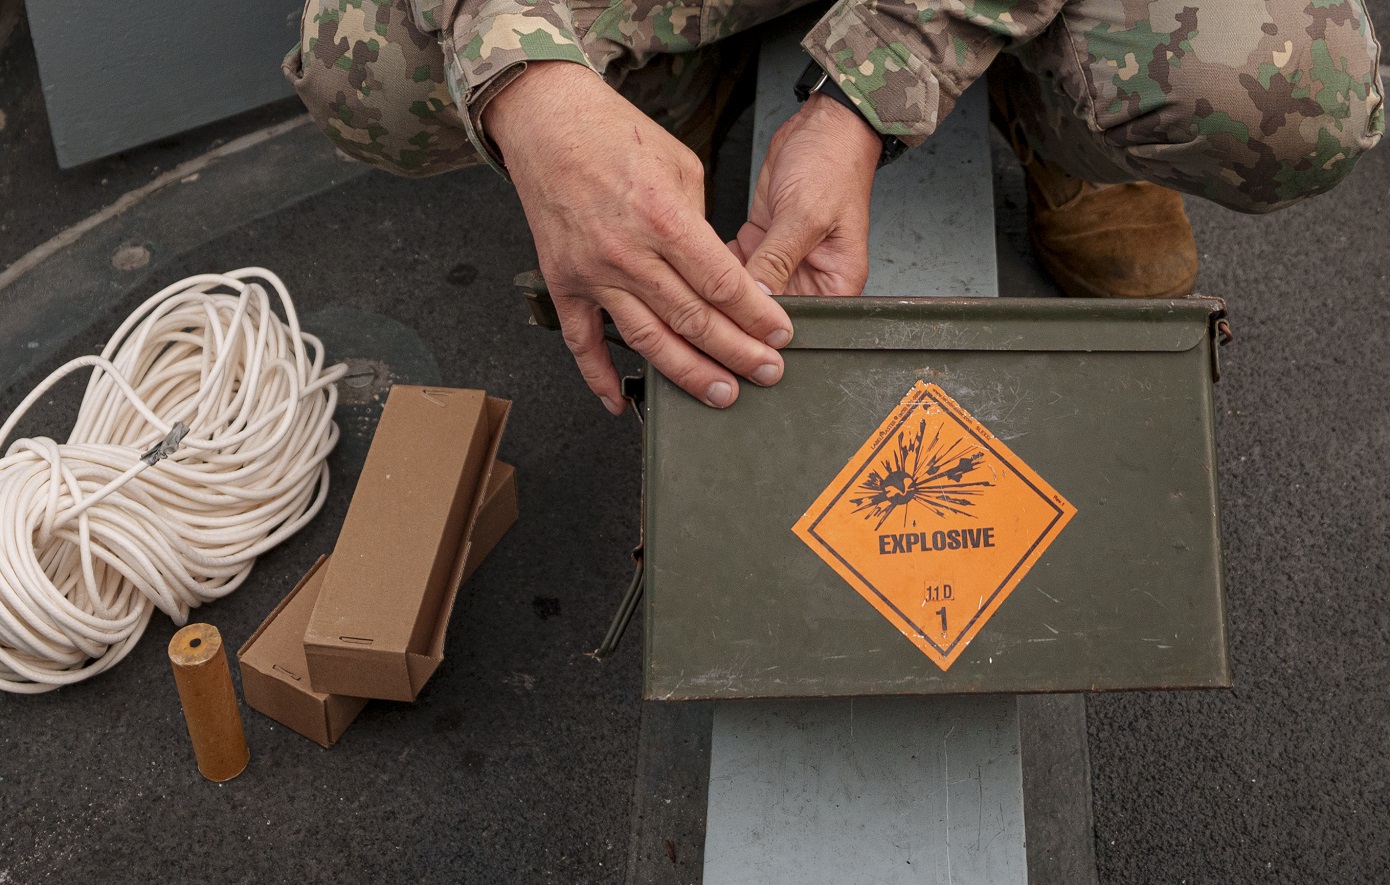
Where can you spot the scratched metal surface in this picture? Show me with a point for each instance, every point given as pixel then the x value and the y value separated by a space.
pixel 1128 596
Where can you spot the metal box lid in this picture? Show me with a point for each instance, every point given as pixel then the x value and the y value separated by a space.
pixel 944 496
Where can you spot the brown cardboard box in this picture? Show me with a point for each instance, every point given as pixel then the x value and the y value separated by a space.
pixel 274 670
pixel 378 627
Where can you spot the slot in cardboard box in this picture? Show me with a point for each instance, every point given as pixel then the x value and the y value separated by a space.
pixel 274 670
pixel 378 627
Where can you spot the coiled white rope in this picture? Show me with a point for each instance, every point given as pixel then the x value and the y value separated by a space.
pixel 199 445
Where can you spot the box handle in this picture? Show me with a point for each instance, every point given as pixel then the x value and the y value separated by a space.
pixel 623 617
pixel 1221 335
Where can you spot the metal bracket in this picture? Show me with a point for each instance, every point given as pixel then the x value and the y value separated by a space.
pixel 635 392
pixel 543 313
pixel 537 295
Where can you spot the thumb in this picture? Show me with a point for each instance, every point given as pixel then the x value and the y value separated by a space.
pixel 781 251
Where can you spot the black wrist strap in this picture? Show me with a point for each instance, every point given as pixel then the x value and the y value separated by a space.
pixel 830 89
pixel 815 79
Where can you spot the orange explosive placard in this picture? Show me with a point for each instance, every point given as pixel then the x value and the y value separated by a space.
pixel 934 521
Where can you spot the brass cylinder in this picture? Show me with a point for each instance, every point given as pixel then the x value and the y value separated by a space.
pixel 209 702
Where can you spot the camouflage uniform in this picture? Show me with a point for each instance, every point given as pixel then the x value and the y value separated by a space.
pixel 1251 103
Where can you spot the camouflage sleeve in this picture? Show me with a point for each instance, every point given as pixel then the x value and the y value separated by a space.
pixel 905 62
pixel 487 44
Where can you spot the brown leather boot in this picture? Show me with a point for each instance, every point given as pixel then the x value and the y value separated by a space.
pixel 1102 241
pixel 1110 241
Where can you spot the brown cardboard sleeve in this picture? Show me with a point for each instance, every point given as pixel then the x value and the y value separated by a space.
pixel 378 627
pixel 274 670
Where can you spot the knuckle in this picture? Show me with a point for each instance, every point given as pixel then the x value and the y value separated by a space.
pixel 687 378
pixel 779 138
pixel 777 263
pixel 725 287
pixel 858 275
pixel 823 218
pixel 564 279
pixel 690 168
pixel 693 321
pixel 612 250
pixel 815 218
pixel 594 375
pixel 645 338
pixel 666 220
pixel 581 342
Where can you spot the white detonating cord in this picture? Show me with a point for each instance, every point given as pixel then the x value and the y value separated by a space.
pixel 205 381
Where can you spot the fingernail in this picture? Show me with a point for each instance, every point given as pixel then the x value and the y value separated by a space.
pixel 719 394
pixel 779 339
pixel 766 375
pixel 763 286
pixel 611 406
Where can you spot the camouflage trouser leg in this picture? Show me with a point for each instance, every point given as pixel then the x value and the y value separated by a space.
pixel 373 80
pixel 1251 103
pixel 374 83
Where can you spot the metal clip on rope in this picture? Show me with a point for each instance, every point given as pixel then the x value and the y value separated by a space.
pixel 169 445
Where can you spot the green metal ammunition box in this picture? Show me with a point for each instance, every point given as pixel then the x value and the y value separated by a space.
pixel 1041 473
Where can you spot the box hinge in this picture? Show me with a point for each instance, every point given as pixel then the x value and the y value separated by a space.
pixel 1221 335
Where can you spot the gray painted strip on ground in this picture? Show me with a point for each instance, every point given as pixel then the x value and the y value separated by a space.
pixel 668 800
pixel 886 790
pixel 184 173
pixel 64 286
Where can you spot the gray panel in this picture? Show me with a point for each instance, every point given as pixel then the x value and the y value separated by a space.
pixel 669 796
pixel 884 790
pixel 117 75
pixel 932 227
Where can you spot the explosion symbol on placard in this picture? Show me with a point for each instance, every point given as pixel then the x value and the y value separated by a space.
pixel 932 475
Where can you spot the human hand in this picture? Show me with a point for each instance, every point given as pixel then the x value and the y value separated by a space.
pixel 808 229
pixel 616 206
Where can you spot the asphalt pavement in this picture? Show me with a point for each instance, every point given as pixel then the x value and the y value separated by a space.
pixel 516 765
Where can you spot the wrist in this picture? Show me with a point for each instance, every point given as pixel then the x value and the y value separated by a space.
pixel 543 89
pixel 815 80
pixel 858 141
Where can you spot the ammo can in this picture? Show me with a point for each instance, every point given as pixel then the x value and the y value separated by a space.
pixel 944 496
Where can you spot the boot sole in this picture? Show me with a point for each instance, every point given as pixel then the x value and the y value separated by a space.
pixel 1074 286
